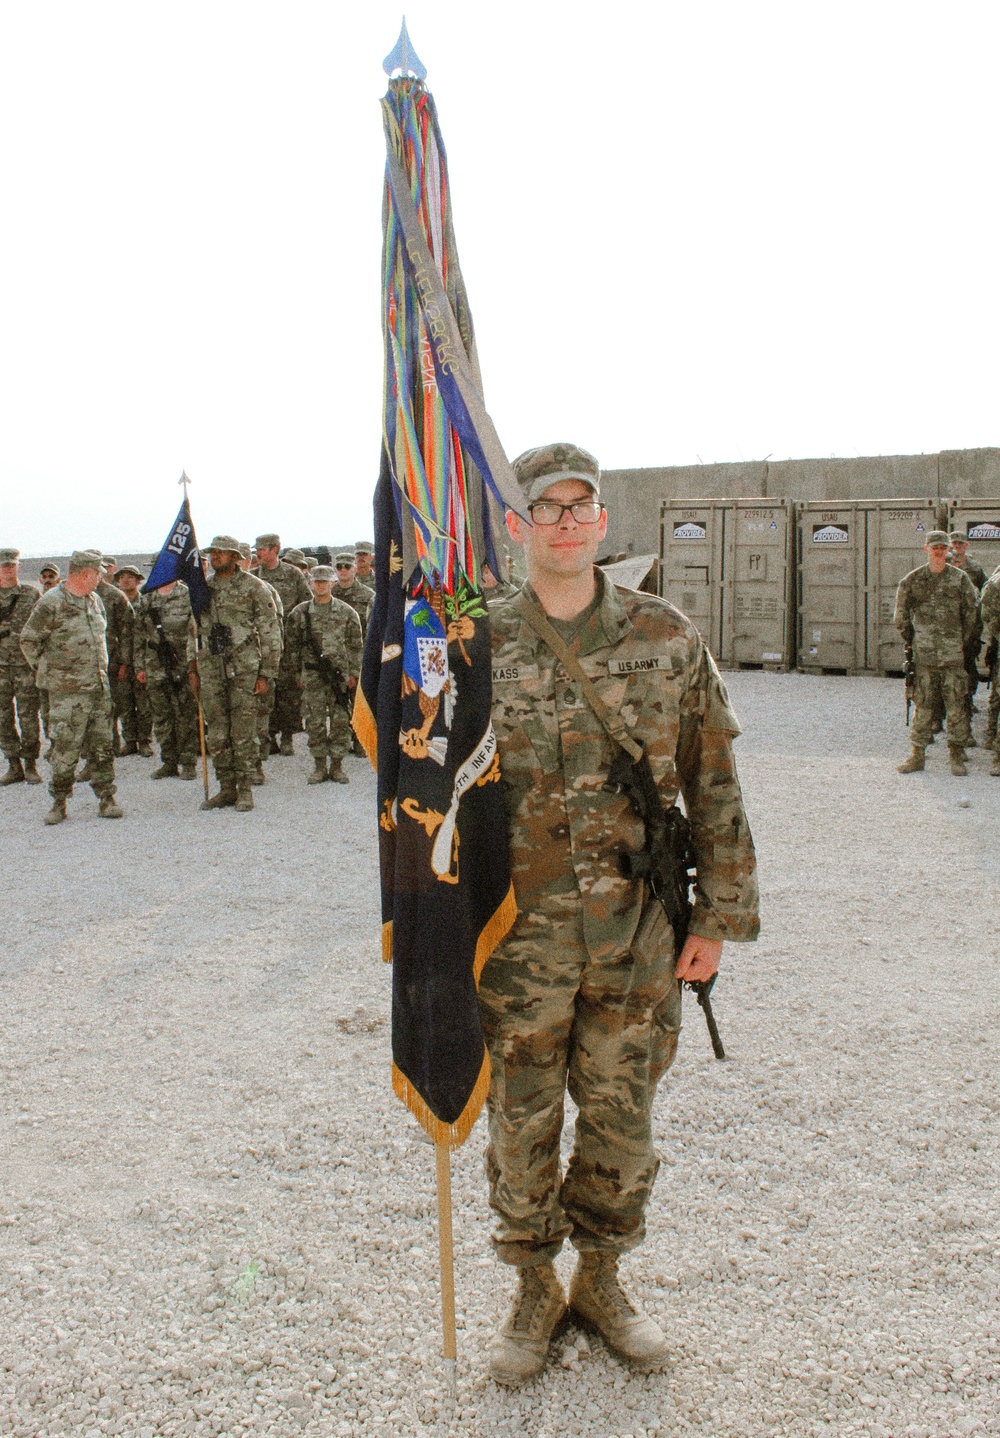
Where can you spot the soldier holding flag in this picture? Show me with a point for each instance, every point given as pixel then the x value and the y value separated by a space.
pixel 584 993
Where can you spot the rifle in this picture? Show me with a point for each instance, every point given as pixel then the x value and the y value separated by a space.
pixel 164 648
pixel 667 863
pixel 990 660
pixel 220 643
pixel 8 613
pixel 909 670
pixel 333 677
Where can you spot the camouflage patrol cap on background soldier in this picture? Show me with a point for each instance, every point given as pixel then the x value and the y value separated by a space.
pixel 9 556
pixel 536 469
pixel 311 561
pixel 323 571
pixel 296 557
pixel 51 569
pixel 268 541
pixel 85 559
pixel 226 544
pixel 244 551
pixel 364 546
pixel 131 569
pixel 344 556
pixel 958 538
pixel 936 536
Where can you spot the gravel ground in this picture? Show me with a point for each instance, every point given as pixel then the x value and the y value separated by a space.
pixel 215 1218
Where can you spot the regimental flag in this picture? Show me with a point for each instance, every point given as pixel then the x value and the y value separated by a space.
pixel 424 703
pixel 180 558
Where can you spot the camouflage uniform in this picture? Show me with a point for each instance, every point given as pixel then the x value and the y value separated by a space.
pixel 581 994
pixel 162 622
pixel 243 605
pixel 265 702
pixel 120 639
pixel 359 597
pixel 293 588
pixel 990 609
pixel 975 571
pixel 365 547
pixel 942 614
pixel 19 738
pixel 64 643
pixel 336 633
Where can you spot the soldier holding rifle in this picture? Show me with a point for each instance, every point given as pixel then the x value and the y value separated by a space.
pixel 233 654
pixel 324 649
pixel 991 633
pixel 161 630
pixel 585 992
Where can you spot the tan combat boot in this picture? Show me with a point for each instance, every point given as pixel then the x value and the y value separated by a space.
pixel 286 749
pixel 258 777
pixel 914 764
pixel 224 799
pixel 146 749
pixel 57 813
pixel 318 775
pixel 31 774
pixel 598 1301
pixel 108 809
pixel 14 774
pixel 244 799
pixel 188 771
pixel 165 771
pixel 337 772
pixel 995 766
pixel 536 1314
pixel 956 756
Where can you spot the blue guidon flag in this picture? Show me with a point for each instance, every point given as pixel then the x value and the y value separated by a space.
pixel 423 710
pixel 180 558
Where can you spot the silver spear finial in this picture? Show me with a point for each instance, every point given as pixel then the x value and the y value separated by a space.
pixel 404 58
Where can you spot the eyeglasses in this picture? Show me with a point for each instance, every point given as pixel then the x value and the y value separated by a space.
pixel 344 566
pixel 584 511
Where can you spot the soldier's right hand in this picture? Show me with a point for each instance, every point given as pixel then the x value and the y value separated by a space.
pixel 140 677
pixel 194 680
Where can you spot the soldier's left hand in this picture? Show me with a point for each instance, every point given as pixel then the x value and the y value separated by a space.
pixel 122 673
pixel 261 686
pixel 352 683
pixel 699 958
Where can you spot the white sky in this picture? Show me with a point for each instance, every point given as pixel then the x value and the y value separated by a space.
pixel 719 230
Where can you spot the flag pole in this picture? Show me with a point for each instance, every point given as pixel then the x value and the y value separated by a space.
pixel 201 740
pixel 447 1259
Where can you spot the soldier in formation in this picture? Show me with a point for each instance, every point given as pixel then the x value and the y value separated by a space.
pixel 324 647
pixel 350 589
pixel 958 555
pixel 585 992
pixel 990 609
pixel 364 563
pixel 265 701
pixel 234 651
pixel 937 612
pixel 139 719
pixel 49 577
pixel 120 627
pixel 293 588
pixel 64 644
pixel 162 621
pixel 19 701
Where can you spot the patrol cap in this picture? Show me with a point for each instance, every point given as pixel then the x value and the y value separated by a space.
pixel 344 556
pixel 131 569
pixel 536 469
pixel 364 546
pixel 226 544
pixel 51 569
pixel 956 538
pixel 294 556
pixel 323 571
pixel 268 541
pixel 244 551
pixel 9 556
pixel 85 559
pixel 936 536
pixel 311 561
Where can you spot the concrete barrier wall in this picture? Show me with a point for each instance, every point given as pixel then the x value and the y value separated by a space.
pixel 634 496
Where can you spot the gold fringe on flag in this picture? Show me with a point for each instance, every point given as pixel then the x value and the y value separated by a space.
pixel 364 726
pixel 449 1135
pixel 496 928
pixel 387 942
